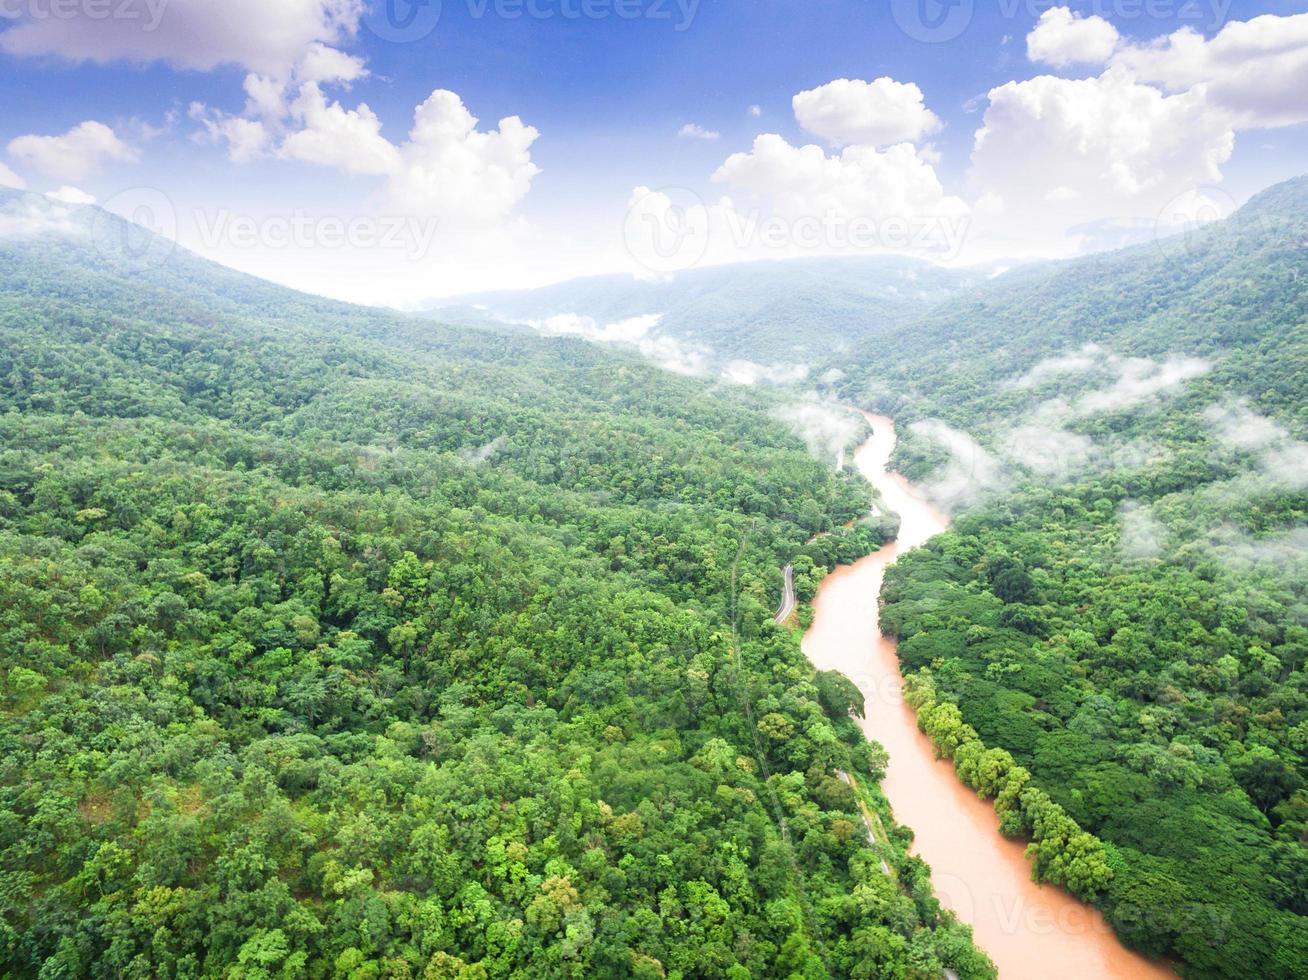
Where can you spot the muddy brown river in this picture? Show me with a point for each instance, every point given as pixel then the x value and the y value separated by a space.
pixel 1029 930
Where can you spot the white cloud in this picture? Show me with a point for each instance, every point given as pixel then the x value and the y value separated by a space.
pixel 860 181
pixel 668 353
pixel 35 214
pixel 331 135
pixel 1082 361
pixel 756 111
pixel 1062 38
pixel 327 65
pixel 452 169
pixel 1054 154
pixel 971 471
pixel 1139 380
pixel 191 34
pixel 629 331
pixel 447 168
pixel 1256 71
pixel 1142 534
pixel 74 155
pixel 1282 459
pixel 825 428
pixel 878 113
pixel 246 139
pixel 71 195
pixel 742 372
pixel 694 131
pixel 11 180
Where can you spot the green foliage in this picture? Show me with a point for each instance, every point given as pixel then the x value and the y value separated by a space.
pixel 1145 708
pixel 335 643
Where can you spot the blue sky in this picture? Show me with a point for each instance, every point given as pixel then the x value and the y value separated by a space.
pixel 1110 116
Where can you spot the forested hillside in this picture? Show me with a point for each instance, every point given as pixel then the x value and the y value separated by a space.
pixel 1120 613
pixel 337 643
pixel 789 314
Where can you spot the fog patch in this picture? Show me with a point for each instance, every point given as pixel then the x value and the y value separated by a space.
pixel 1047 450
pixel 1083 361
pixel 1281 461
pixel 833 376
pixel 1242 551
pixel 672 355
pixel 478 455
pixel 1139 380
pixel 741 372
pixel 1142 534
pixel 629 331
pixel 971 472
pixel 636 332
pixel 1136 380
pixel 826 429
pixel 1237 426
pixel 33 215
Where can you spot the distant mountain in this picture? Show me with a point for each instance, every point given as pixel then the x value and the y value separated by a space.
pixel 1234 291
pixel 779 314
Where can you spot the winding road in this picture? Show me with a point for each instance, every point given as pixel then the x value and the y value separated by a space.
pixel 787 594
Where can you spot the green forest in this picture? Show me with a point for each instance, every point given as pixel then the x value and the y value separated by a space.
pixel 337 643
pixel 1115 630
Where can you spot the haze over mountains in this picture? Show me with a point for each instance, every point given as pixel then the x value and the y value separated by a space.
pixel 773 318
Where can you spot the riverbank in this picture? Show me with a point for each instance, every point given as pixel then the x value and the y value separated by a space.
pixel 1030 931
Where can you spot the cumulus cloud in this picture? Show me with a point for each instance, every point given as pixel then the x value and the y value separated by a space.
pixel 1054 154
pixel 1254 71
pixel 71 195
pixel 858 183
pixel 331 135
pixel 877 113
pixel 1062 38
pixel 190 34
pixel 447 168
pixel 11 180
pixel 694 131
pixel 73 156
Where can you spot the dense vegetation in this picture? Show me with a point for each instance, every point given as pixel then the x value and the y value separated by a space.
pixel 335 643
pixel 1117 626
